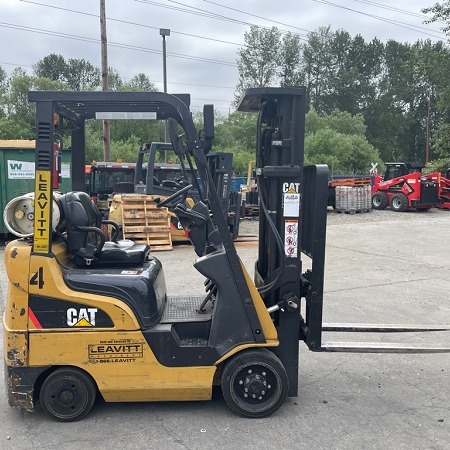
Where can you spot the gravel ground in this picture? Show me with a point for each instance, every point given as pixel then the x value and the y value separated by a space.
pixel 250 225
pixel 381 267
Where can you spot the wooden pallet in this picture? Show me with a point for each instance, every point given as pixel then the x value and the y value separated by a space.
pixel 251 210
pixel 143 222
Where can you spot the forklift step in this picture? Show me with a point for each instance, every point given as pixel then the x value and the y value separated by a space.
pixel 184 309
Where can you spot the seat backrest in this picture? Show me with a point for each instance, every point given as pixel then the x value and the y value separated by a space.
pixel 82 221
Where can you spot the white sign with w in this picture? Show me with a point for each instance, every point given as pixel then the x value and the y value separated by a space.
pixel 20 170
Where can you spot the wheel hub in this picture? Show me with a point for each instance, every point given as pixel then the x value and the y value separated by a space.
pixel 254 385
pixel 66 396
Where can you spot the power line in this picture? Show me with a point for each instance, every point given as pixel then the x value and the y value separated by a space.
pixel 383 19
pixel 128 22
pixel 259 17
pixel 392 8
pixel 16 65
pixel 204 13
pixel 113 44
pixel 152 81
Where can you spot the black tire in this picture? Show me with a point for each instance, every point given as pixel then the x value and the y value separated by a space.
pixel 68 394
pixel 399 202
pixel 380 200
pixel 254 383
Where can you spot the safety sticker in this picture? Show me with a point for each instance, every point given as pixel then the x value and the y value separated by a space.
pixel 291 199
pixel 291 238
pixel 291 205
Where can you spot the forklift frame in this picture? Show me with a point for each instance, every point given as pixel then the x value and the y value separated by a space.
pixel 246 316
pixel 280 150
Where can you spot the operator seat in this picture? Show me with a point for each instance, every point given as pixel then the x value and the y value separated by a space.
pixel 86 241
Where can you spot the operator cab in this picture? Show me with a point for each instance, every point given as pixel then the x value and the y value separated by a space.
pixel 120 268
pixel 395 170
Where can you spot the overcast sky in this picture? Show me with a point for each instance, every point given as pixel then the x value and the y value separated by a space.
pixel 201 49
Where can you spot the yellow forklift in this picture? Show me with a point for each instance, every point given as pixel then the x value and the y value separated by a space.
pixel 86 317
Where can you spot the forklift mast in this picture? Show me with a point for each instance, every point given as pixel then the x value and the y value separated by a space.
pixel 293 203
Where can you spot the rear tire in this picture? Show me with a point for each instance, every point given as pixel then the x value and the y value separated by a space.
pixel 380 200
pixel 68 394
pixel 399 202
pixel 254 383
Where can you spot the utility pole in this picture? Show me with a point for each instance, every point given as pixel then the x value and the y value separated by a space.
pixel 104 57
pixel 164 32
pixel 427 145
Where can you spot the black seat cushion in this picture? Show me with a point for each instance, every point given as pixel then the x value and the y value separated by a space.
pixel 114 253
pixel 82 221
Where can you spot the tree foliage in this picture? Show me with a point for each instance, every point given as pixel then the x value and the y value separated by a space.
pixel 400 89
pixel 339 140
pixel 367 100
pixel 78 74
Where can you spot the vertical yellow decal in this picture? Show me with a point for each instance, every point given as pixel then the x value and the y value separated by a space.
pixel 42 211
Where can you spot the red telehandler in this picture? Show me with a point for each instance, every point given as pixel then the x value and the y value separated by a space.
pixel 404 187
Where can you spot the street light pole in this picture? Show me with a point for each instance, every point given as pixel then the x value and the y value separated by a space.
pixel 164 32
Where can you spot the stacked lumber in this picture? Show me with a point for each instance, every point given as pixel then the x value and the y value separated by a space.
pixel 361 181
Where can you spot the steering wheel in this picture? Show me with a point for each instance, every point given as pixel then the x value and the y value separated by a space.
pixel 174 196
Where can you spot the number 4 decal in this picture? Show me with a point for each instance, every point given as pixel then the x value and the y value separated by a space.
pixel 38 278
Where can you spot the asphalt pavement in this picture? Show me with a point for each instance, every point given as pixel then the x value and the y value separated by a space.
pixel 393 268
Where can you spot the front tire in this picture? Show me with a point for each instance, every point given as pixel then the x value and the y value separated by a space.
pixel 254 383
pixel 380 200
pixel 399 202
pixel 68 394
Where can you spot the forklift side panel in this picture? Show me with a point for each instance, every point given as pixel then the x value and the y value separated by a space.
pixel 122 364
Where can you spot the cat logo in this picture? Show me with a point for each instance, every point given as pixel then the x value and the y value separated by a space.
pixel 291 188
pixel 83 317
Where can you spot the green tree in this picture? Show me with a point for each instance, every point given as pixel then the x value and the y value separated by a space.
pixel 52 66
pixel 258 59
pixel 81 75
pixel 289 61
pixel 440 13
pixel 317 68
pixel 114 81
pixel 339 140
pixel 140 83
pixel 236 134
pixel 3 91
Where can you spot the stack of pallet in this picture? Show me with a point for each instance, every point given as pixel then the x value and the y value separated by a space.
pixel 142 221
pixel 352 195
